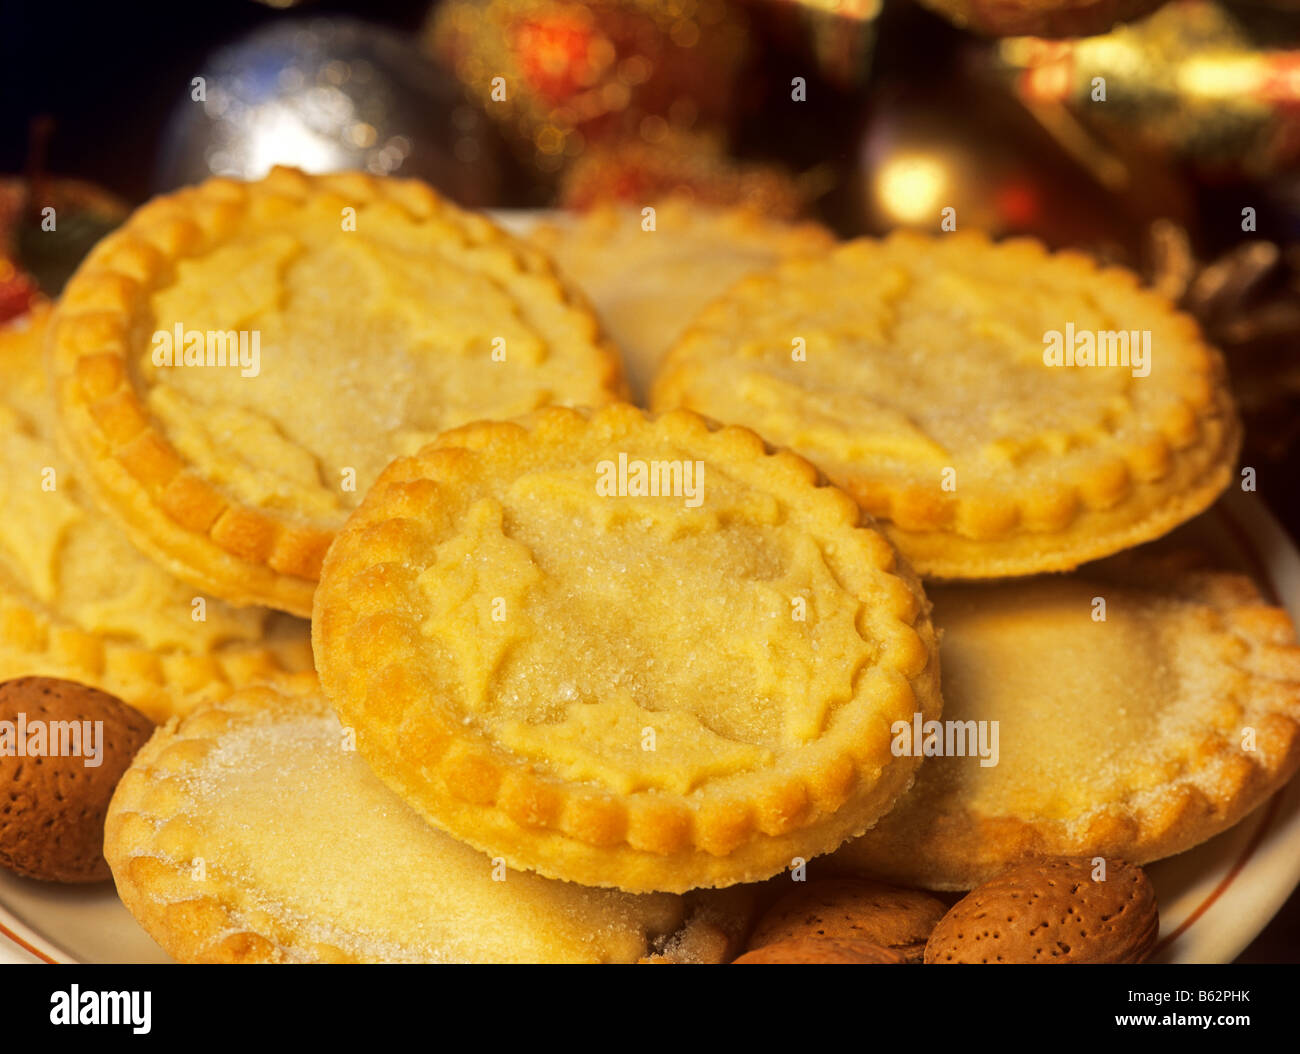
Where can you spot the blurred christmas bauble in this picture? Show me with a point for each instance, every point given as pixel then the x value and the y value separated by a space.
pixel 964 143
pixel 325 94
pixel 1041 18
pixel 1247 300
pixel 560 76
pixel 696 167
pixel 1196 81
pixel 839 35
pixel 47 225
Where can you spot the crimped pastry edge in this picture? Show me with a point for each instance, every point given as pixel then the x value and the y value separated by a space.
pixel 160 684
pixel 222 925
pixel 192 923
pixel 168 509
pixel 564 831
pixel 988 535
pixel 1151 824
pixel 586 242
pixel 590 229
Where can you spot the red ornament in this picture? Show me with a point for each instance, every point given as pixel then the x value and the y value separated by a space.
pixel 1018 203
pixel 553 55
pixel 697 167
pixel 17 290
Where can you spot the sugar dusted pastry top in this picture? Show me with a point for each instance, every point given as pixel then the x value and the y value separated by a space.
pixel 1135 737
pixel 912 371
pixel 382 315
pixel 306 856
pixel 77 600
pixel 637 690
pixel 648 285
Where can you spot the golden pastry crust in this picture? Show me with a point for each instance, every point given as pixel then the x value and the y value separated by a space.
pixel 648 285
pixel 1126 738
pixel 657 696
pixel 237 482
pixel 79 602
pixel 248 833
pixel 924 392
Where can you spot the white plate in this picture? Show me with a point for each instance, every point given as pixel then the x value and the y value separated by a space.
pixel 1214 899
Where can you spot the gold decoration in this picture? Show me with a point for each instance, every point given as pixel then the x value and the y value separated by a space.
pixel 564 75
pixel 1248 302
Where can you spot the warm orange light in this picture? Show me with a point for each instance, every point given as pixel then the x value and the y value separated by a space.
pixel 910 188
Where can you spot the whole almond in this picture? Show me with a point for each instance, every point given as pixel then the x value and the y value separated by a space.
pixel 853 908
pixel 1051 911
pixel 825 950
pixel 52 806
